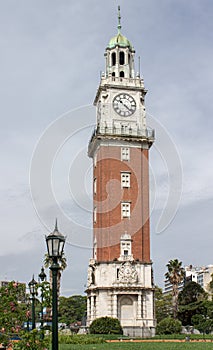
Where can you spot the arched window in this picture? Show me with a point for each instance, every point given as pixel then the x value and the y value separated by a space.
pixel 122 74
pixel 113 59
pixel 113 74
pixel 126 311
pixel 121 57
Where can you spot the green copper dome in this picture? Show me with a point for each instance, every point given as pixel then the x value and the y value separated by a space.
pixel 119 40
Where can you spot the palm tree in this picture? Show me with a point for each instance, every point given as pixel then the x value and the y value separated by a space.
pixel 62 263
pixel 175 275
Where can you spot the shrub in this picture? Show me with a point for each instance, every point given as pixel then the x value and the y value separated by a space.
pixel 106 325
pixel 31 340
pixel 80 339
pixel 169 326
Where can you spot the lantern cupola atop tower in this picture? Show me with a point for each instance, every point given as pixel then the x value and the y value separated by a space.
pixel 120 55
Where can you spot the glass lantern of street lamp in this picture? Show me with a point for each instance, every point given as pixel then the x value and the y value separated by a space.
pixel 55 243
pixel 42 275
pixel 32 286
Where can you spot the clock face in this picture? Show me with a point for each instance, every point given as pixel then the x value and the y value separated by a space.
pixel 124 105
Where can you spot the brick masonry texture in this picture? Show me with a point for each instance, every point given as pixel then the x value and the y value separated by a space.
pixel 110 225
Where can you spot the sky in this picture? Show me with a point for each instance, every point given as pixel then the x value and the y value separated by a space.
pixel 52 53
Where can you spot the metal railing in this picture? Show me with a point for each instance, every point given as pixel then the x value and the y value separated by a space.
pixel 146 133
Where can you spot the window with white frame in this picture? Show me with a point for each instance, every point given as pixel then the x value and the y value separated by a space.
pixel 125 153
pixel 125 179
pixel 125 210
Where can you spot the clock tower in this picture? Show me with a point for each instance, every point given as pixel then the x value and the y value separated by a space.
pixel 120 281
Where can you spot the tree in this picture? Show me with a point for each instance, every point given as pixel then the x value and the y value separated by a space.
pixel 32 341
pixel 192 293
pixel 72 309
pixel 169 326
pixel 163 304
pixel 12 309
pixel 191 300
pixel 203 321
pixel 62 266
pixel 203 324
pixel 106 325
pixel 61 261
pixel 175 275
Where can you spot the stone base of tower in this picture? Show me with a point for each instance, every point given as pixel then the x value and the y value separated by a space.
pixel 139 332
pixel 124 290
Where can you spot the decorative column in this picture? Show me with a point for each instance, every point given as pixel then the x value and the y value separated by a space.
pixel 139 306
pixel 144 306
pixel 115 312
pixel 88 309
pixel 92 307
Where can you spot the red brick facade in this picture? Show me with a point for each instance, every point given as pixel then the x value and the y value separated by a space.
pixel 109 224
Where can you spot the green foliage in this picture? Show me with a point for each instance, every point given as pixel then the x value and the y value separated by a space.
pixel 169 326
pixel 44 287
pixel 5 339
pixel 192 301
pixel 141 346
pixel 72 309
pixel 163 304
pixel 106 325
pixel 12 309
pixel 62 261
pixel 203 324
pixel 80 339
pixel 203 321
pixel 182 336
pixel 31 340
pixel 191 293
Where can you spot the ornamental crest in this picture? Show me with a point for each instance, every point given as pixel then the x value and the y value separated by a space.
pixel 127 273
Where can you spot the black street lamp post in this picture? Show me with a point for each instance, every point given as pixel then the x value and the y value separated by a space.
pixel 32 286
pixel 55 246
pixel 42 276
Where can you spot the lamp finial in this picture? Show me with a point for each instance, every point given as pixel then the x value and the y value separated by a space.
pixel 56 224
pixel 119 20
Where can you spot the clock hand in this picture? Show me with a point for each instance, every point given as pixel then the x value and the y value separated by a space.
pixel 125 105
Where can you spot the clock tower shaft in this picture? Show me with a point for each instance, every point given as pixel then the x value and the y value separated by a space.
pixel 120 281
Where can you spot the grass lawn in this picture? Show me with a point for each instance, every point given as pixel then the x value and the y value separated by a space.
pixel 141 346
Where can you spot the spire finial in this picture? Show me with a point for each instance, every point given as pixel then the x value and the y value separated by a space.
pixel 119 20
pixel 56 224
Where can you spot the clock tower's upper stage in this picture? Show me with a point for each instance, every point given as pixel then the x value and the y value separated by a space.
pixel 120 96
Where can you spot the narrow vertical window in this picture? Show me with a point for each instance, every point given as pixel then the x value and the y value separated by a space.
pixel 125 179
pixel 121 74
pixel 113 59
pixel 121 57
pixel 125 153
pixel 125 210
